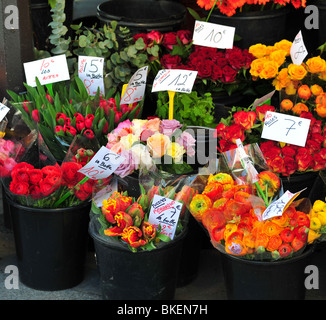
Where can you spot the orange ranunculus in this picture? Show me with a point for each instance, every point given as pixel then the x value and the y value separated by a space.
pixel 229 193
pixel 229 229
pixel 299 107
pixel 316 64
pixel 219 204
pixel 213 190
pixel 213 218
pixel 235 247
pixel 282 220
pixel 321 110
pixel 270 228
pixel 274 243
pixel 321 99
pixel 316 89
pixel 286 104
pixel 244 228
pixel 262 240
pixel 222 178
pixel 234 208
pixel 236 235
pixel 245 118
pixel 297 244
pixel 199 204
pixel 297 72
pixel 217 233
pixel 270 181
pixel 304 92
pixel 249 240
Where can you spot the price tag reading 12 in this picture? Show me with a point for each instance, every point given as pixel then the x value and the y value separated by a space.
pixel 213 35
pixel 285 128
pixel 102 165
pixel 174 80
pixel 90 71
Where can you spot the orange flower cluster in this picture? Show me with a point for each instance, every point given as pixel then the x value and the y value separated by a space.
pixel 230 7
pixel 233 219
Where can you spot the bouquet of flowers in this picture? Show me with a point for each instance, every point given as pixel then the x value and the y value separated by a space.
pixel 65 111
pixel 124 221
pixel 232 208
pixel 152 143
pixel 231 7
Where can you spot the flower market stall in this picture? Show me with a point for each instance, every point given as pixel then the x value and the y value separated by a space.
pixel 150 141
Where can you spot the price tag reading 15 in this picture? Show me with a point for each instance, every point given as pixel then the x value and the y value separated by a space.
pixel 174 80
pixel 285 128
pixel 102 165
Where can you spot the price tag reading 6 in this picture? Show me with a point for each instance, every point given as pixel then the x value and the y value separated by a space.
pixel 102 165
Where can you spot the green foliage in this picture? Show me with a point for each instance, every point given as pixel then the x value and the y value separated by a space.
pixel 189 109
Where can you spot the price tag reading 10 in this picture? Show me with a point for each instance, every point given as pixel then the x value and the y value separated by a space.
pixel 102 165
pixel 174 80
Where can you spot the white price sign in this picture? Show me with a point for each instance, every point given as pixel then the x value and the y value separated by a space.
pixel 102 165
pixel 277 207
pixel 285 128
pixel 3 111
pixel 106 192
pixel 298 49
pixel 165 212
pixel 177 80
pixel 90 71
pixel 136 87
pixel 49 70
pixel 213 35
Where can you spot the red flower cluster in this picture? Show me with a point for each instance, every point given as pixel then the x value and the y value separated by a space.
pixel 290 158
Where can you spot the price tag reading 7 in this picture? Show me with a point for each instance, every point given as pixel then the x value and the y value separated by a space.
pixel 174 80
pixel 285 128
pixel 102 165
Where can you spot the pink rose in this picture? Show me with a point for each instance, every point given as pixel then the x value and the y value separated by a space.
pixel 127 166
pixel 167 127
pixel 188 142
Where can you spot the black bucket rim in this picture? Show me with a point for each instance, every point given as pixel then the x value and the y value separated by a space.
pixel 35 210
pixel 131 21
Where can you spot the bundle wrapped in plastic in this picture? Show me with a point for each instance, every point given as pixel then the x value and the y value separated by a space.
pixel 156 217
pixel 245 213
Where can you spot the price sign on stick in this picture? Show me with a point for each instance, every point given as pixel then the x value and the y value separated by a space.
pixel 165 212
pixel 102 165
pixel 177 80
pixel 285 128
pixel 213 35
pixel 3 111
pixel 49 70
pixel 298 50
pixel 90 71
pixel 136 87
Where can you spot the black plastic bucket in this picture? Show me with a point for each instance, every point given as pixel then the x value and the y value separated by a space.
pixel 145 275
pixel 51 245
pixel 258 280
pixel 143 16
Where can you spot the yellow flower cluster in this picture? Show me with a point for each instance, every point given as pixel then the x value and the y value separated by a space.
pixel 271 63
pixel 317 217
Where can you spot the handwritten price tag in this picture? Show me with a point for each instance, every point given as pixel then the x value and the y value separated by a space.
pixel 285 128
pixel 174 80
pixel 298 50
pixel 102 165
pixel 49 70
pixel 213 35
pixel 106 192
pixel 3 111
pixel 136 87
pixel 90 71
pixel 165 212
pixel 277 207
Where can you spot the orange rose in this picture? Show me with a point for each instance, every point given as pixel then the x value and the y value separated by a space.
pixel 270 70
pixel 316 64
pixel 152 125
pixel 297 72
pixel 258 50
pixel 284 45
pixel 245 118
pixel 257 66
pixel 278 56
pixel 282 79
pixel 158 144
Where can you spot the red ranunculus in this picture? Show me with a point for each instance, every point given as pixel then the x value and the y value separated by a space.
pixel 35 175
pixel 70 175
pixel 19 188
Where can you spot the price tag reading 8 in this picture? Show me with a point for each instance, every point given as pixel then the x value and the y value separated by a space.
pixel 174 80
pixel 102 165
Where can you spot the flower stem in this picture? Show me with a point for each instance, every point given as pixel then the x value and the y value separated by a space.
pixel 210 12
pixel 260 191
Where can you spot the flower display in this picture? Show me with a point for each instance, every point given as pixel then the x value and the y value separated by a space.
pixel 231 7
pixel 233 218
pixel 126 219
pixel 317 217
pixel 149 143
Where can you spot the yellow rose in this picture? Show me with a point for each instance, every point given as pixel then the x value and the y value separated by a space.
pixel 157 144
pixel 316 64
pixel 278 56
pixel 257 66
pixel 284 45
pixel 128 140
pixel 258 50
pixel 176 151
pixel 282 79
pixel 269 71
pixel 297 72
pixel 290 88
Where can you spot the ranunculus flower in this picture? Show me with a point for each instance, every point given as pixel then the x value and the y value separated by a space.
pixel 19 188
pixel 71 176
pixel 157 144
pixel 35 176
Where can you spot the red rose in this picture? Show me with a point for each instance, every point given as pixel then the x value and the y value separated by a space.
pixel 261 111
pixel 245 118
pixel 229 74
pixel 304 159
pixel 216 72
pixel 265 146
pixel 235 57
pixel 143 36
pixel 205 68
pixel 277 164
pixel 170 62
pixel 185 36
pixel 225 146
pixel 318 162
pixel 234 132
pixel 288 151
pixel 313 146
pixel 154 36
pixel 290 166
pixel 20 188
pixel 220 131
pixel 169 40
pixel 89 134
pixel 272 152
pixel 317 137
pixel 316 128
